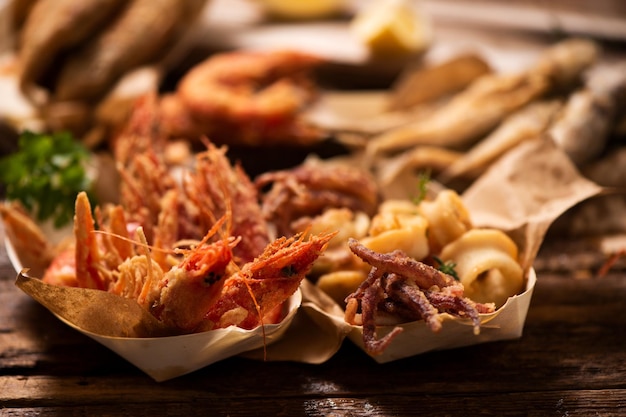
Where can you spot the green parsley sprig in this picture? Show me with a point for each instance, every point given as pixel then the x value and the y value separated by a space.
pixel 447 268
pixel 46 174
pixel 422 187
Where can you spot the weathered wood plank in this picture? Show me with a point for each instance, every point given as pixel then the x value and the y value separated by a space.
pixel 606 403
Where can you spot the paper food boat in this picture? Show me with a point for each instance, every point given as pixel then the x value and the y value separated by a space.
pixel 163 357
pixel 505 323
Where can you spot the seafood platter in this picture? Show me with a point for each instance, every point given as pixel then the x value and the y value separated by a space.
pixel 219 188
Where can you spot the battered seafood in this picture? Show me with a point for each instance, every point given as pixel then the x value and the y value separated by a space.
pixel 28 241
pixel 437 81
pixel 216 188
pixel 590 115
pixel 469 115
pixel 201 291
pixel 144 30
pixel 107 38
pixel 485 103
pixel 406 288
pixel 418 260
pixel 311 188
pixel 170 209
pixel 251 98
pixel 527 123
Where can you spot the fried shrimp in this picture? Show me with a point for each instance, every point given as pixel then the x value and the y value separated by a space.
pixel 245 98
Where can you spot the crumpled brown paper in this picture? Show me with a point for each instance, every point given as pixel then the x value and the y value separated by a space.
pixel 525 191
pixel 84 309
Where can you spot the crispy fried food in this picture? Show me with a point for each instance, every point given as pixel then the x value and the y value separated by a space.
pixel 200 288
pixel 141 32
pixel 590 114
pixel 170 209
pixel 437 81
pixel 398 226
pixel 565 63
pixel 145 180
pixel 448 219
pixel 486 261
pixel 469 115
pixel 52 27
pixel 526 123
pixel 140 133
pixel 29 243
pixel 478 109
pixel 311 188
pixel 262 285
pixel 407 288
pixel 181 296
pixel 246 97
pixel 216 188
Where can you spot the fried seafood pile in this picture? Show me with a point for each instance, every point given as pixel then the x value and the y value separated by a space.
pixel 195 250
pixel 408 290
pixel 395 261
pixel 206 246
pixel 418 261
pixel 314 188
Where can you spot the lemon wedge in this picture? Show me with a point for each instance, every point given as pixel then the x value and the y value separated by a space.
pixel 303 9
pixel 392 28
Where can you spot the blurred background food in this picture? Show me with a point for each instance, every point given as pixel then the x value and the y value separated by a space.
pixel 384 65
pixel 392 28
pixel 304 9
pixel 70 55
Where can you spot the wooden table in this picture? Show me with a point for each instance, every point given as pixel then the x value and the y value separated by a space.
pixel 570 361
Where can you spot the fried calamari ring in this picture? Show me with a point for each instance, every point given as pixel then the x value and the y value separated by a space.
pixel 448 219
pixel 399 231
pixel 486 264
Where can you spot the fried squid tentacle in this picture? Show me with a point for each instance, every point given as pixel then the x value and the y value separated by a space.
pixel 397 262
pixel 415 299
pixel 402 286
pixel 373 295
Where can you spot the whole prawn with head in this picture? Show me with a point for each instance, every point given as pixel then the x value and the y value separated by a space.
pixel 207 290
pixel 177 291
pixel 204 288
